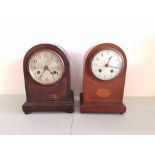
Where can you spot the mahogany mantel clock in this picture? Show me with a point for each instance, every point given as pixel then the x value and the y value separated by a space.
pixel 104 79
pixel 47 80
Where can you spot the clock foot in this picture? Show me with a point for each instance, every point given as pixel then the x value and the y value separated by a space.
pixel 70 111
pixel 27 112
pixel 26 109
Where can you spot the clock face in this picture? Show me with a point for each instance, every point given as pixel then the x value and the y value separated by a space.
pixel 46 67
pixel 107 64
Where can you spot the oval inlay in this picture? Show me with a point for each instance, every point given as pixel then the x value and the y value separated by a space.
pixel 103 93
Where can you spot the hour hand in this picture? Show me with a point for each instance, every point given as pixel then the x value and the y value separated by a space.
pixel 113 66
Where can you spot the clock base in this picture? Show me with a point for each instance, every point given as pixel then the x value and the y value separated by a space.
pixel 101 108
pixel 64 105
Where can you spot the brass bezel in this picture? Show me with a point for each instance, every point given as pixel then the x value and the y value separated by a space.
pixel 31 73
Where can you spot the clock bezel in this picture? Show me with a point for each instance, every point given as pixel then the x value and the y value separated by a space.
pixel 30 72
pixel 96 52
pixel 41 47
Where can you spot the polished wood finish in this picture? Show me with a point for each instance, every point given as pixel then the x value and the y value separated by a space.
pixel 102 96
pixel 54 97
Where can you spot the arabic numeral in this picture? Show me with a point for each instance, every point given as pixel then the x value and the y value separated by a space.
pixel 39 56
pixel 34 61
pixel 45 55
pixel 34 67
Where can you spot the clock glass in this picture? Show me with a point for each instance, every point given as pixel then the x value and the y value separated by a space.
pixel 107 64
pixel 46 67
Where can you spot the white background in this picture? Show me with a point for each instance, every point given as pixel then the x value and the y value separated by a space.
pixel 77 26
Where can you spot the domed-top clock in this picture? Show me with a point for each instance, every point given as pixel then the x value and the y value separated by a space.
pixel 47 79
pixel 104 79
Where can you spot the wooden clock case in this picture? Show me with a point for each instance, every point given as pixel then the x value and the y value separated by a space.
pixel 54 97
pixel 102 96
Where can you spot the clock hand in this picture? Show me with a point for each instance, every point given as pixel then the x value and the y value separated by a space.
pixel 42 73
pixel 53 73
pixel 107 64
pixel 113 67
pixel 45 68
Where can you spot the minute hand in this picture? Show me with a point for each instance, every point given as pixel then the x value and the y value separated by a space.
pixel 42 73
pixel 107 64
pixel 50 71
pixel 53 73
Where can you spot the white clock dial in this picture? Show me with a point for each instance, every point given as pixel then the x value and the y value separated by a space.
pixel 46 67
pixel 107 64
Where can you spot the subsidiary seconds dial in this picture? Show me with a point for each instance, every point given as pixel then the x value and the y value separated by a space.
pixel 46 67
pixel 107 64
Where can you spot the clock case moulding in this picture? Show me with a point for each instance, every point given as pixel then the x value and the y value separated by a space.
pixel 89 100
pixel 53 97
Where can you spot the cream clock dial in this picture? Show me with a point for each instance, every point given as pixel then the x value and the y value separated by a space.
pixel 107 64
pixel 46 67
